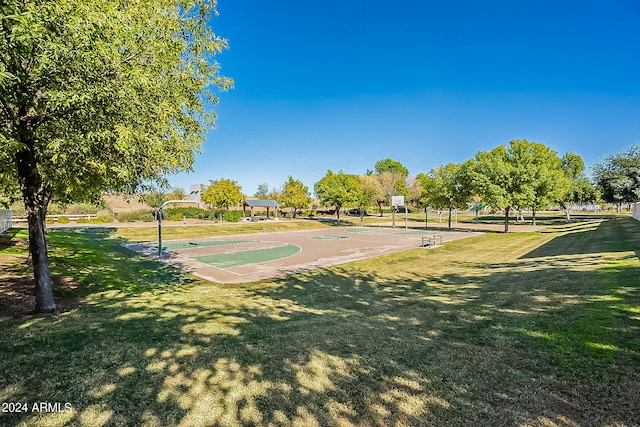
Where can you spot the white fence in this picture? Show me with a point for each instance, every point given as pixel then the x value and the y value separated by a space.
pixel 5 220
pixel 636 211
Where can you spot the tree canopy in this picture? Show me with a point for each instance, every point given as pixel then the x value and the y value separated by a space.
pixel 262 192
pixel 576 188
pixel 223 193
pixel 390 165
pixel 339 190
pixel 618 176
pixel 503 176
pixel 98 95
pixel 548 178
pixel 294 195
pixel 449 186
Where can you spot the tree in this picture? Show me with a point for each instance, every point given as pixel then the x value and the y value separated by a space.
pixel 367 193
pixel 9 190
pixel 263 191
pixel 503 178
pixel 618 177
pixel 390 165
pixel 415 191
pixel 177 193
pixel 548 178
pixel 393 179
pixel 449 186
pixel 575 184
pixel 99 95
pixel 424 200
pixel 294 195
pixel 373 187
pixel 154 199
pixel 339 190
pixel 223 193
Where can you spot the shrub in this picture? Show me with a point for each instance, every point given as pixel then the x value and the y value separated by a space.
pixel 104 216
pixel 52 209
pixel 216 214
pixel 232 216
pixel 63 220
pixel 137 215
pixel 174 217
pixel 81 208
pixel 188 211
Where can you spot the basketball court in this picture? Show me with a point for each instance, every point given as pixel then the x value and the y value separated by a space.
pixel 251 257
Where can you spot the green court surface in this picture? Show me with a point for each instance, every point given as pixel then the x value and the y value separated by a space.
pixel 361 229
pixel 186 245
pixel 418 232
pixel 236 259
pixel 328 237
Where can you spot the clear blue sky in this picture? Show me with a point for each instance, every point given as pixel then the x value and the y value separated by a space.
pixel 340 84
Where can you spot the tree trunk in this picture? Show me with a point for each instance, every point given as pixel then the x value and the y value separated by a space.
pixel 506 219
pixel 568 213
pixel 36 196
pixel 380 208
pixel 533 211
pixel 337 213
pixel 450 209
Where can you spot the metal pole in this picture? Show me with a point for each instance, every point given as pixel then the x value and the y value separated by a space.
pixel 426 216
pixel 160 232
pixel 405 218
pixel 160 221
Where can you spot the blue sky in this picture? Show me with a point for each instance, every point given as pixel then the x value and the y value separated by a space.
pixel 341 84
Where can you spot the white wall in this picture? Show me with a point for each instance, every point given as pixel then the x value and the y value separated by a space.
pixel 5 220
pixel 636 211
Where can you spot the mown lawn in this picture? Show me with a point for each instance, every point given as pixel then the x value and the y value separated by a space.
pixel 502 329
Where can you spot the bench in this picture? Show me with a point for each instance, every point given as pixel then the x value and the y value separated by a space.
pixel 430 241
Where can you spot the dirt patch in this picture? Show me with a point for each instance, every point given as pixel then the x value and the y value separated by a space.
pixel 17 295
pixel 17 290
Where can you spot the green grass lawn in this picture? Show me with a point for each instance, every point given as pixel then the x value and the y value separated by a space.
pixel 502 329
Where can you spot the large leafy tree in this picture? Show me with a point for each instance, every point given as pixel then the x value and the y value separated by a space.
pixel 549 182
pixel 393 180
pixel 223 193
pixel 374 189
pixel 339 190
pixel 618 176
pixel 100 95
pixel 367 193
pixel 390 165
pixel 294 195
pixel 503 177
pixel 449 186
pixel 576 188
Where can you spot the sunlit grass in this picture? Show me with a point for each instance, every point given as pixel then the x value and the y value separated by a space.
pixel 516 329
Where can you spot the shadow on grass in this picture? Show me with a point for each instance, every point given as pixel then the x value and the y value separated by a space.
pixel 332 222
pixel 613 235
pixel 550 340
pixel 99 262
